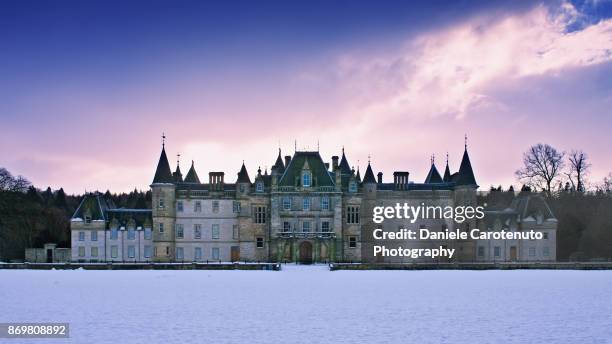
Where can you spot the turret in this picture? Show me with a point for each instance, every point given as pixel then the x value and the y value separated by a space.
pixel 243 183
pixel 163 192
pixel 192 175
pixel 369 182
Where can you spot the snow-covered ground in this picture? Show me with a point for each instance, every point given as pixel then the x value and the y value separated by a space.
pixel 309 304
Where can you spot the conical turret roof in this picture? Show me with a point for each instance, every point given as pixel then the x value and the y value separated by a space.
pixel 369 176
pixel 278 166
pixel 192 176
pixel 345 168
pixel 358 175
pixel 447 174
pixel 163 174
pixel 178 176
pixel 243 175
pixel 433 176
pixel 466 174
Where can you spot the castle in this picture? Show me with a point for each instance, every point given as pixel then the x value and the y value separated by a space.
pixel 304 210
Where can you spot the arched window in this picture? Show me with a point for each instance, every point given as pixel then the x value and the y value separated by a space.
pixel 306 179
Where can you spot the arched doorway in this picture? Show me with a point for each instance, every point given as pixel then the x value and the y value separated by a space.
pixel 306 252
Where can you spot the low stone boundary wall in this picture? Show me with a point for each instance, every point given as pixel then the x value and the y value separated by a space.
pixel 142 266
pixel 476 266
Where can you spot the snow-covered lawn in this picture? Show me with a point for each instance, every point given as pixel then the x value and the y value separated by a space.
pixel 309 304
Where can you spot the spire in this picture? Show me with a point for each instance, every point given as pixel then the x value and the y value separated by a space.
pixel 344 165
pixel 163 174
pixel 358 175
pixel 192 176
pixel 447 174
pixel 243 175
pixel 278 166
pixel 466 174
pixel 433 176
pixel 369 176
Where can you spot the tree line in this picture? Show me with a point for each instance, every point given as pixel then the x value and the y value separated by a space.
pixel 31 217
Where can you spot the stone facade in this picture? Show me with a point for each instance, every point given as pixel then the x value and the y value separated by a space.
pixel 303 210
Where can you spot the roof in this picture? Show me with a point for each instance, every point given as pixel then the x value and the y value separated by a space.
pixel 141 217
pixel 447 174
pixel 278 166
pixel 243 175
pixel 368 177
pixel 163 173
pixel 532 205
pixel 433 176
pixel 192 176
pixel 345 168
pixel 310 160
pixel 466 174
pixel 93 205
pixel 416 186
pixel 178 176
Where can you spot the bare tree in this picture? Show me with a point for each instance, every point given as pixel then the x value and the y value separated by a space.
pixel 606 184
pixel 578 169
pixel 542 167
pixel 9 183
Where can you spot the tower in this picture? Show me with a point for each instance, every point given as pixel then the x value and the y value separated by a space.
pixel 163 191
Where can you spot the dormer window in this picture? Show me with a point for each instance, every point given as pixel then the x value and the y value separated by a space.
pixel 260 187
pixel 87 219
pixel 352 187
pixel 306 179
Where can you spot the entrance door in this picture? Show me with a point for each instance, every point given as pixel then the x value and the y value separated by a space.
pixel 49 255
pixel 513 253
pixel 235 252
pixel 306 253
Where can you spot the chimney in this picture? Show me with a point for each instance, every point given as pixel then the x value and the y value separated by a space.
pixel 334 163
pixel 215 179
pixel 287 160
pixel 327 166
pixel 400 180
pixel 380 177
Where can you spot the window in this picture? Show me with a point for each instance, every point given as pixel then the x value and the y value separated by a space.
pixel 81 236
pixel 306 204
pixel 532 252
pixel 325 203
pixel 179 253
pixel 147 233
pixel 242 188
pixel 131 234
pixel 114 234
pixel 161 203
pixel 179 206
pixel 306 179
pixel 114 251
pixel 286 203
pixel 260 242
pixel 215 253
pixel 197 253
pixel 352 242
pixel 161 227
pixel 236 207
pixel 147 251
pixel 215 231
pixel 215 206
pixel 131 251
pixel 286 226
pixel 545 251
pixel 481 251
pixel 259 187
pixel 352 187
pixel 545 235
pixel 197 207
pixel 325 226
pixel 197 231
pixel 235 232
pixel 81 251
pixel 87 219
pixel 167 251
pixel 94 251
pixel 94 236
pixel 306 226
pixel 352 215
pixel 179 231
pixel 497 251
pixel 259 214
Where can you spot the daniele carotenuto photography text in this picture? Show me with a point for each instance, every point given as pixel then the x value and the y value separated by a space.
pixel 305 171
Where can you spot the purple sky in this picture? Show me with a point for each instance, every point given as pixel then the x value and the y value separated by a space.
pixel 87 88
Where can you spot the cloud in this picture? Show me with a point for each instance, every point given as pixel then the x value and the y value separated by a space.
pixel 448 72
